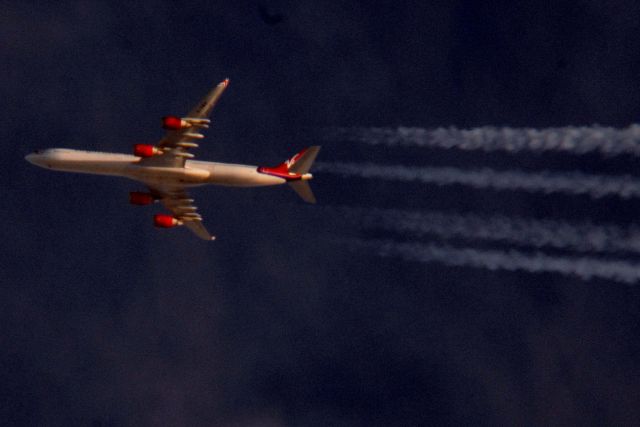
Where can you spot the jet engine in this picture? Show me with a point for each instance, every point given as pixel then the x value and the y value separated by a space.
pixel 145 150
pixel 140 199
pixel 174 123
pixel 177 123
pixel 165 221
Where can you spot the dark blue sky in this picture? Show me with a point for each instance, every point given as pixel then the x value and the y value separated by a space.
pixel 107 321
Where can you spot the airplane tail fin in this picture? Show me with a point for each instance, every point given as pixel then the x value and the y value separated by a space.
pixel 296 172
pixel 301 164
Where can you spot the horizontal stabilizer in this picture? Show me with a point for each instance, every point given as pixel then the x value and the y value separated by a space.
pixel 304 190
pixel 302 162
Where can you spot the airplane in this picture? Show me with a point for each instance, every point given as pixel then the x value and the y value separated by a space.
pixel 167 168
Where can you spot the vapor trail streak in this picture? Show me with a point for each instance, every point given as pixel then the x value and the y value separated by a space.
pixel 584 268
pixel 577 140
pixel 574 183
pixel 581 237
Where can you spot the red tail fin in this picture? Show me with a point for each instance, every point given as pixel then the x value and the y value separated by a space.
pixel 295 171
pixel 295 167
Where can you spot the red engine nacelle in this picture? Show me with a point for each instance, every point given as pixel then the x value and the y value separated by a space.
pixel 140 199
pixel 174 123
pixel 165 221
pixel 145 150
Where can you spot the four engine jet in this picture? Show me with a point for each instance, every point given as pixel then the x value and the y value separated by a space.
pixel 167 168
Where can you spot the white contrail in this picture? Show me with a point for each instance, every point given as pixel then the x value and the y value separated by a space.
pixel 577 140
pixel 536 233
pixel 584 268
pixel 575 183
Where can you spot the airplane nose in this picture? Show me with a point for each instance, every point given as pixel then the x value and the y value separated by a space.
pixel 33 158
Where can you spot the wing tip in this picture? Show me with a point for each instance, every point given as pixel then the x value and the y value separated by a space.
pixel 225 82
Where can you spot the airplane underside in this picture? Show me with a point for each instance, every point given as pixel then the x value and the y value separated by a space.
pixel 167 169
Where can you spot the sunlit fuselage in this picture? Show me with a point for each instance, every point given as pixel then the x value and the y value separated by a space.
pixel 194 173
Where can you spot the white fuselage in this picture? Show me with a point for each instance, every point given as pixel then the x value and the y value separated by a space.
pixel 194 173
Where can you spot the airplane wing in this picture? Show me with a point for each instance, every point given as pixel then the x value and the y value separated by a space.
pixel 183 132
pixel 177 201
